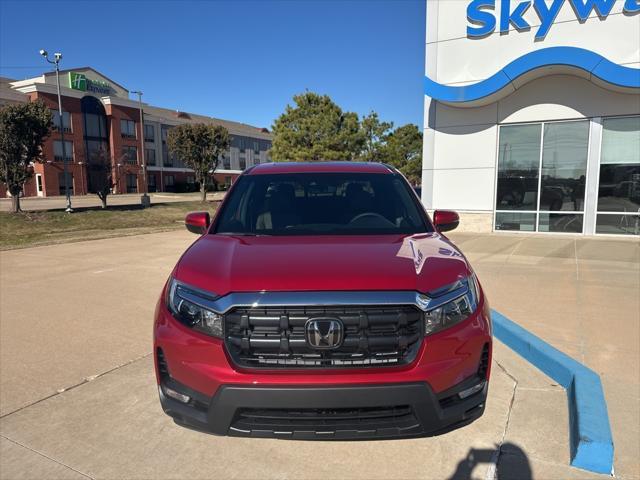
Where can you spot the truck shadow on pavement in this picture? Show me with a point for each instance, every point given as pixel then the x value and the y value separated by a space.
pixel 517 466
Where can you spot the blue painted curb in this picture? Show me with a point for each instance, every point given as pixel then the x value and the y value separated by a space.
pixel 589 431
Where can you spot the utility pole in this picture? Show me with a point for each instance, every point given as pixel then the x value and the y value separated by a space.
pixel 56 61
pixel 145 201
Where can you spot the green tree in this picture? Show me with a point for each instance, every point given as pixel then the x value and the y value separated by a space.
pixel 403 150
pixel 316 129
pixel 375 134
pixel 102 176
pixel 23 129
pixel 199 146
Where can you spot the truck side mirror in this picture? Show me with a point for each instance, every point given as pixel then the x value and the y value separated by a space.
pixel 445 220
pixel 197 222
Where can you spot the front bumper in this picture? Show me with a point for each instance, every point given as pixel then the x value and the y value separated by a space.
pixel 417 399
pixel 327 413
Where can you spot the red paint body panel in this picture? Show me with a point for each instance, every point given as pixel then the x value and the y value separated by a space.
pixel 223 264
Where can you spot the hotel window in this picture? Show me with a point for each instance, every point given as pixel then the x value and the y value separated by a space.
pixel 95 125
pixel 243 162
pixel 57 151
pixel 167 159
pixel 61 185
pixel 132 183
pixel 168 182
pixel 164 131
pixel 541 177
pixel 149 133
pixel 191 180
pixel 151 181
pixel 619 180
pixel 226 161
pixel 127 128
pixel 150 156
pixel 66 121
pixel 130 155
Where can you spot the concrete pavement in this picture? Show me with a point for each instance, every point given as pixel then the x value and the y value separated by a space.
pixel 581 295
pixel 77 317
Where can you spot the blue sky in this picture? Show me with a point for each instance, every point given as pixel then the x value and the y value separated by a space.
pixel 239 60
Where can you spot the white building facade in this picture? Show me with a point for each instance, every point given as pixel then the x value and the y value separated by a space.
pixel 532 114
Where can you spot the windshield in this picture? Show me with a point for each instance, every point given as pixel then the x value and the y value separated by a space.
pixel 322 203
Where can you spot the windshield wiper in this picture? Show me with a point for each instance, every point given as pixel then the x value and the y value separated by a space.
pixel 245 234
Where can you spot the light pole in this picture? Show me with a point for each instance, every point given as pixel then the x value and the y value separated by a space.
pixel 144 200
pixel 56 61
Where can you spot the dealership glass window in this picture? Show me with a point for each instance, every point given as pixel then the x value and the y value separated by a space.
pixel 127 128
pixel 66 120
pixel 564 166
pixel 619 180
pixel 560 222
pixel 130 155
pixel 524 222
pixel 149 133
pixel 150 156
pixel 542 173
pixel 57 151
pixel 518 166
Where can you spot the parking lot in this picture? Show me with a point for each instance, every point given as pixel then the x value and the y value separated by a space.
pixel 78 396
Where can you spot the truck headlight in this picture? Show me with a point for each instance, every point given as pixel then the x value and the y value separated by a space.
pixel 452 305
pixel 188 305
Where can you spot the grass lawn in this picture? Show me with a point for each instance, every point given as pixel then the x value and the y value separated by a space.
pixel 29 229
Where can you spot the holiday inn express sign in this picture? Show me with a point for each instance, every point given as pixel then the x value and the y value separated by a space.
pixel 79 81
pixel 482 19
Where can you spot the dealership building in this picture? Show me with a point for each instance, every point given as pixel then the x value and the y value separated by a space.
pixel 532 115
pixel 101 129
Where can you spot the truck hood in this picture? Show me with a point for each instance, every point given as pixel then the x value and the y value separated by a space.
pixel 224 264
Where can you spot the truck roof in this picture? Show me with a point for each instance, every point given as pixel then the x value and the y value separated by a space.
pixel 319 167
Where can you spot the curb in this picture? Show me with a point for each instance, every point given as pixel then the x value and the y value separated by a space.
pixel 589 431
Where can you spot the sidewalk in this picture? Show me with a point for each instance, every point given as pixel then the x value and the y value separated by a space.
pixel 88 201
pixel 581 295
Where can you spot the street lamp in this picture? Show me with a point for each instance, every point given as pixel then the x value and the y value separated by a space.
pixel 144 200
pixel 56 61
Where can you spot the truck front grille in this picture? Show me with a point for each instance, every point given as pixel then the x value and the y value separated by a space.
pixel 274 337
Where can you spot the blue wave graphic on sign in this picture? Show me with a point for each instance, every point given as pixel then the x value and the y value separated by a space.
pixel 591 62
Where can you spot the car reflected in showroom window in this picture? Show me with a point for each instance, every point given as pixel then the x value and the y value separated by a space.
pixel 619 182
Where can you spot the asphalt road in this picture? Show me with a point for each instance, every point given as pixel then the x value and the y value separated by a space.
pixel 78 396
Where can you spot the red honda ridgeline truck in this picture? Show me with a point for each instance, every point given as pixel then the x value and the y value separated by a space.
pixel 322 302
